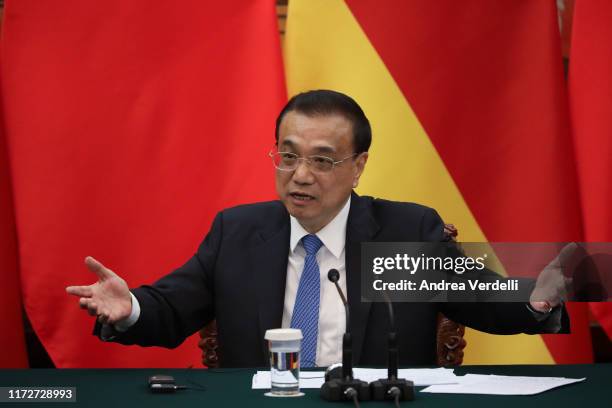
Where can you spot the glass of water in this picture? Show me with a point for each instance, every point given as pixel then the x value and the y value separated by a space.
pixel 284 346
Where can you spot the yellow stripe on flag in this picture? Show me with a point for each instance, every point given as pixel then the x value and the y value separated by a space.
pixel 326 48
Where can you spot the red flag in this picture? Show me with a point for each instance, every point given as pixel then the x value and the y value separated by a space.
pixel 12 344
pixel 130 124
pixel 591 104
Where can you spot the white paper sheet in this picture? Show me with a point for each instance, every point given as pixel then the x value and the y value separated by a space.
pixel 501 385
pixel 308 379
pixel 315 379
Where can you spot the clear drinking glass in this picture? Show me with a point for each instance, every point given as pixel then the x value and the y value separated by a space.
pixel 284 346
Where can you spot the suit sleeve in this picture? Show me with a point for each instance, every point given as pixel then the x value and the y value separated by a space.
pixel 491 317
pixel 180 303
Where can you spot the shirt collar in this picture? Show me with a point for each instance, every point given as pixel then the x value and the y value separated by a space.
pixel 333 235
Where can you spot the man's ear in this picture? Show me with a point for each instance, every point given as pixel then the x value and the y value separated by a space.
pixel 360 162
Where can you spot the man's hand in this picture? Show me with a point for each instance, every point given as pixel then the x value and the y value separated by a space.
pixel 551 286
pixel 109 298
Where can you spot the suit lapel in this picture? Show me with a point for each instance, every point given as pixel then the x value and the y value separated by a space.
pixel 269 263
pixel 361 227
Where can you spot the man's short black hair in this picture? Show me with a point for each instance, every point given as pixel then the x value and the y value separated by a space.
pixel 326 102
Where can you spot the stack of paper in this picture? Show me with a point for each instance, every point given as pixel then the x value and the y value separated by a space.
pixel 501 385
pixel 308 379
pixel 439 380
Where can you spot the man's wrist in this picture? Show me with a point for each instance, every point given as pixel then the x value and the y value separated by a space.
pixel 125 324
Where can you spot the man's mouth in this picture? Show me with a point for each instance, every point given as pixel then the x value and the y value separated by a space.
pixel 302 196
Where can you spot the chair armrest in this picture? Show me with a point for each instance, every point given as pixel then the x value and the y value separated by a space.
pixel 449 342
pixel 209 345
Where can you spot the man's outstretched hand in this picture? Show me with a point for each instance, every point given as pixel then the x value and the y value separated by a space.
pixel 552 286
pixel 109 298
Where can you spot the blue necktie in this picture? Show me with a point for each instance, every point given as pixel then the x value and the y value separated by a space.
pixel 306 310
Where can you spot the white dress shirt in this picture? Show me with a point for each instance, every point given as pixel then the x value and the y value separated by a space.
pixel 332 319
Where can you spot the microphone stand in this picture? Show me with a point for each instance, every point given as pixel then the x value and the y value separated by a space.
pixel 392 388
pixel 346 387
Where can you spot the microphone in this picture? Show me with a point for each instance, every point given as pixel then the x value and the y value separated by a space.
pixel 347 348
pixel 392 388
pixel 346 387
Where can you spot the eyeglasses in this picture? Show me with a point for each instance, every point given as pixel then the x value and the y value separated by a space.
pixel 286 161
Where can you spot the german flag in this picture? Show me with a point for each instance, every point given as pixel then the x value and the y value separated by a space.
pixel 469 116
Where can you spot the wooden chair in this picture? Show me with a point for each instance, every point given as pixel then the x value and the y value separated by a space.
pixel 449 337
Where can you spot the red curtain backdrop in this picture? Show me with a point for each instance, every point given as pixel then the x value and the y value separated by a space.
pixel 590 91
pixel 129 125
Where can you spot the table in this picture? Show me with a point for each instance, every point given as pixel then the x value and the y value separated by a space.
pixel 232 388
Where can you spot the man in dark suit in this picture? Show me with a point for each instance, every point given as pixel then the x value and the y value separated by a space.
pixel 264 265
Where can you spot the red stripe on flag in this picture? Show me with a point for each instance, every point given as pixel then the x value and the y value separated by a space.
pixel 591 104
pixel 12 343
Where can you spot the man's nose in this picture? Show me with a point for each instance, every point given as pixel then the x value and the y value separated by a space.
pixel 302 173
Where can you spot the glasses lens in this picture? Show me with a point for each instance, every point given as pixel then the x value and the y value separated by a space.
pixel 321 164
pixel 285 161
pixel 289 162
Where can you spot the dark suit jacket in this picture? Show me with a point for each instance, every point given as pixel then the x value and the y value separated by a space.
pixel 238 278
